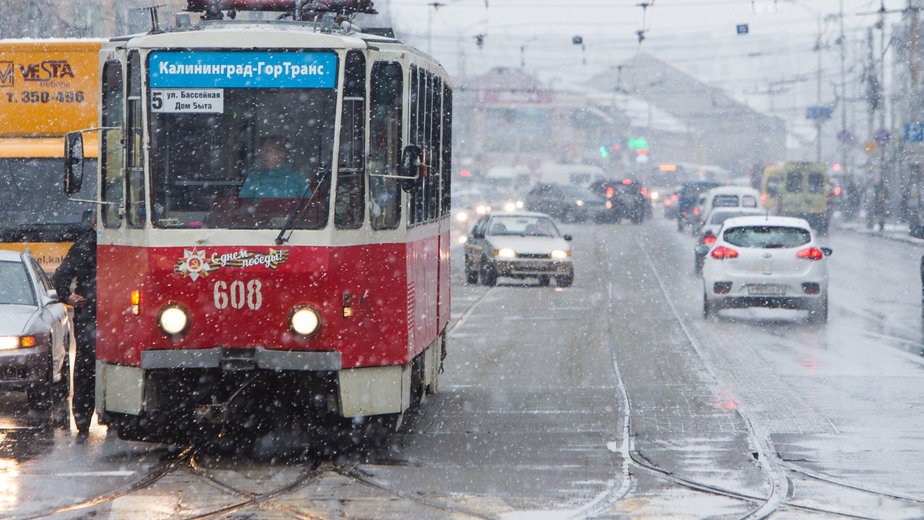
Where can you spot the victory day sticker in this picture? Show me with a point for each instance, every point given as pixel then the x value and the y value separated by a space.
pixel 196 263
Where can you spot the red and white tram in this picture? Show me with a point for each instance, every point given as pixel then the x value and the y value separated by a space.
pixel 221 309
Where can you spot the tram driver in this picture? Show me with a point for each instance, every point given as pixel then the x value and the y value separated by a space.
pixel 275 179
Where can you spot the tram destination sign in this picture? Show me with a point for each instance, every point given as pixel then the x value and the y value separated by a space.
pixel 188 100
pixel 204 70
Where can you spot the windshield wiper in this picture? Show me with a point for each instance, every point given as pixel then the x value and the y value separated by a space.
pixel 303 203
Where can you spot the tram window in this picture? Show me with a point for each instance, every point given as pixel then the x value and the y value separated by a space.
pixel 446 148
pixel 111 187
pixel 385 118
pixel 414 195
pixel 433 185
pixel 135 210
pixel 349 207
pixel 199 160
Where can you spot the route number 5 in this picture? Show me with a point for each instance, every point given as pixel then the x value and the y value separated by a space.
pixel 237 295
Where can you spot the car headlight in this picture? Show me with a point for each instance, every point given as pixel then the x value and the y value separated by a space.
pixel 461 216
pixel 579 202
pixel 560 254
pixel 305 320
pixel 510 206
pixel 173 319
pixel 506 252
pixel 519 204
pixel 15 342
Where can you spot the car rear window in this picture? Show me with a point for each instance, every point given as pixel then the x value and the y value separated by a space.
pixel 725 201
pixel 767 237
pixel 720 217
pixel 15 287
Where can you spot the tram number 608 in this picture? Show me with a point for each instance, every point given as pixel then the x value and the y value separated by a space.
pixel 238 295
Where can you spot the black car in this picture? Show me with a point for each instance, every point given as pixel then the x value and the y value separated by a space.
pixel 689 193
pixel 565 202
pixel 624 200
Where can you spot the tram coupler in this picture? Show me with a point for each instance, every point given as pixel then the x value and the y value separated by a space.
pixel 220 413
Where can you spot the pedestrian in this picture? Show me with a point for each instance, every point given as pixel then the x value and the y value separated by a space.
pixel 78 270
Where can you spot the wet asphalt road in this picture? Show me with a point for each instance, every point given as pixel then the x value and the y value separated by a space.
pixel 609 399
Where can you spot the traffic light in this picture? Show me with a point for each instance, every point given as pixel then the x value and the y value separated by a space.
pixel 603 152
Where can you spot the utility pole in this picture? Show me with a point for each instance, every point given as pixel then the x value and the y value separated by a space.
pixel 843 44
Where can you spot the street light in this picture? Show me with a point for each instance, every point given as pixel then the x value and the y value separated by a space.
pixel 579 40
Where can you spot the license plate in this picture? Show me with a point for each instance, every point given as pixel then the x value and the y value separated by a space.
pixel 765 289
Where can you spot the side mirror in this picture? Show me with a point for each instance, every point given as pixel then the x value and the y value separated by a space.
pixel 702 250
pixel 480 234
pixel 73 162
pixel 567 237
pixel 52 295
pixel 411 166
pixel 826 250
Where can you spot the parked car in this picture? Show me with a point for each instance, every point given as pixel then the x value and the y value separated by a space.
pixel 36 333
pixel 565 202
pixel 518 245
pixel 766 261
pixel 708 232
pixel 686 205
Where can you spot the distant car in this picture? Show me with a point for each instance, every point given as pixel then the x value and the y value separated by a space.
pixel 565 202
pixel 36 333
pixel 706 236
pixel 518 245
pixel 766 261
pixel 625 199
pixel 726 197
pixel 467 206
pixel 689 195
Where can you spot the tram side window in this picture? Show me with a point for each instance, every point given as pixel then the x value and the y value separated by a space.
pixel 432 193
pixel 135 209
pixel 446 148
pixel 111 187
pixel 415 195
pixel 385 117
pixel 349 207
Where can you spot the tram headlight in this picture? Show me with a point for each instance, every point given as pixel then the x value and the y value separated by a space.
pixel 173 320
pixel 305 320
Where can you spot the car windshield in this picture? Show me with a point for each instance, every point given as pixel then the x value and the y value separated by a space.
pixel 767 237
pixel 523 226
pixel 15 288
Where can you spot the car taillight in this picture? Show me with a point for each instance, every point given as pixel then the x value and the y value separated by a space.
pixel 812 253
pixel 722 252
pixel 709 238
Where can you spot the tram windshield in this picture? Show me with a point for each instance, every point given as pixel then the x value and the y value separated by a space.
pixel 33 207
pixel 207 142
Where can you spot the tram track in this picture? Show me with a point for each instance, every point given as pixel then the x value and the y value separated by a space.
pixel 777 471
pixel 164 467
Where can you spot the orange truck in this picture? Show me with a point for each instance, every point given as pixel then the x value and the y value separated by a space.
pixel 47 88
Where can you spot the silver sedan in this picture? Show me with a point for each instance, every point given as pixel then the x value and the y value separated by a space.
pixel 36 333
pixel 518 245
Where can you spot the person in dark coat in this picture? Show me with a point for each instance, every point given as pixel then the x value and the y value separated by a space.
pixel 80 265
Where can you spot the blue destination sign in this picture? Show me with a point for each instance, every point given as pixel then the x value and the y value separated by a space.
pixel 242 69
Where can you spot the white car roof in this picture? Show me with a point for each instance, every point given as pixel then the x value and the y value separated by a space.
pixel 768 220
pixel 733 189
pixel 7 255
pixel 517 214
